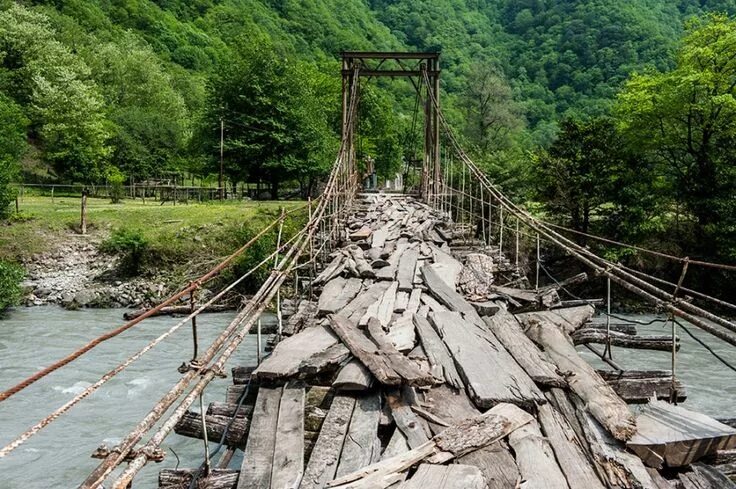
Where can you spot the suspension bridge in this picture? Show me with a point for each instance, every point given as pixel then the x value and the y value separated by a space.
pixel 418 346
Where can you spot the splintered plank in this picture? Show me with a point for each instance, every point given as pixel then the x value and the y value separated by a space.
pixel 447 295
pixel 675 436
pixel 490 374
pixel 467 436
pixel 353 377
pixel 378 354
pixel 337 293
pixel 497 465
pixel 405 274
pixel 508 331
pixel 456 476
pixel 326 453
pixel 578 471
pixel 288 456
pixel 405 419
pixel 294 352
pixel 360 442
pixel 366 298
pixel 568 319
pixel 182 478
pixel 601 400
pixel 535 458
pixel 441 362
pixel 255 472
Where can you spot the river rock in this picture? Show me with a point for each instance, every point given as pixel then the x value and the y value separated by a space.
pixel 85 297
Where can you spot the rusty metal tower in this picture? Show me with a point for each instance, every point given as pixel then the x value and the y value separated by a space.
pixel 418 67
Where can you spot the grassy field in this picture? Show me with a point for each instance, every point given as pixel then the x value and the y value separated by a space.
pixel 210 229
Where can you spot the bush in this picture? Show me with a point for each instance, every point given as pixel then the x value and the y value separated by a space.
pixel 10 277
pixel 132 245
pixel 115 179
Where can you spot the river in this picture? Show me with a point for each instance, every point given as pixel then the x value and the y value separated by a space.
pixel 31 338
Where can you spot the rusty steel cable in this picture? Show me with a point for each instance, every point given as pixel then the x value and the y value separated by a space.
pixel 128 361
pixel 115 332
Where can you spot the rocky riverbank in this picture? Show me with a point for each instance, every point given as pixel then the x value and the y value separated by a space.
pixel 76 274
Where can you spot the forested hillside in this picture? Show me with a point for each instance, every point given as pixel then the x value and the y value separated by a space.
pixel 111 90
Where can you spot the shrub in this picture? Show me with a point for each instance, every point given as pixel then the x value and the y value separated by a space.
pixel 10 276
pixel 129 243
pixel 115 179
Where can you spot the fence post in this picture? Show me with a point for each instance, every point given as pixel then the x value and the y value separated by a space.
pixel 84 211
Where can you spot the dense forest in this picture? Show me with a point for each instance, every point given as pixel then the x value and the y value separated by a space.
pixel 619 116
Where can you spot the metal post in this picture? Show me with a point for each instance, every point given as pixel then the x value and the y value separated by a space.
pixel 258 342
pixel 194 324
pixel 204 436
pixel 516 253
pixel 83 224
pixel 608 319
pixel 222 156
pixel 536 282
pixel 500 235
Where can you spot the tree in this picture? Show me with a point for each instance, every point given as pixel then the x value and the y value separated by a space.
pixel 12 146
pixel 65 108
pixel 685 118
pixel 493 118
pixel 588 171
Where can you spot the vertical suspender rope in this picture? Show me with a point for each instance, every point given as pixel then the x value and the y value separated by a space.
pixel 673 386
pixel 483 215
pixel 516 253
pixel 608 319
pixel 194 324
pixel 536 281
pixel 207 465
pixel 500 235
pixel 275 263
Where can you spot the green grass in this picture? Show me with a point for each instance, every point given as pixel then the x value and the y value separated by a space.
pixel 184 231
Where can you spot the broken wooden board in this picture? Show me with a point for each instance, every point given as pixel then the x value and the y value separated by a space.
pixel 455 441
pixel 441 363
pixel 288 455
pixel 569 453
pixel 337 293
pixel 489 372
pixel 353 377
pixel 455 476
pixel 357 307
pixel 674 436
pixel 568 319
pixel 601 400
pixel 293 353
pixel 361 444
pixel 639 386
pixel 535 458
pixel 405 419
pixel 508 331
pixel 326 453
pixel 377 353
pixel 305 312
pixel 446 295
pixel 361 234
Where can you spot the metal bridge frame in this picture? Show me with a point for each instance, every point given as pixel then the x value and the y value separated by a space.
pixel 404 65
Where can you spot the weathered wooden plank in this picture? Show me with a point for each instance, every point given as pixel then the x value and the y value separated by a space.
pixel 455 476
pixel 363 233
pixel 377 353
pixel 182 478
pixel 446 265
pixel 578 470
pixel 385 307
pixel 292 353
pixel 401 333
pixel 704 477
pixel 356 308
pixel 601 400
pixel 585 336
pixel 337 293
pixel 360 441
pixel 497 465
pixel 489 372
pixel 326 453
pixel 361 264
pixel 353 377
pixel 568 319
pixel 535 458
pixel 305 312
pixel 397 445
pixel 448 296
pixel 676 436
pixel 288 457
pixel 331 271
pixel 405 419
pixel 508 331
pixel 229 410
pixel 638 386
pixel 464 437
pixel 190 425
pixel 405 274
pixel 441 362
pixel 255 471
